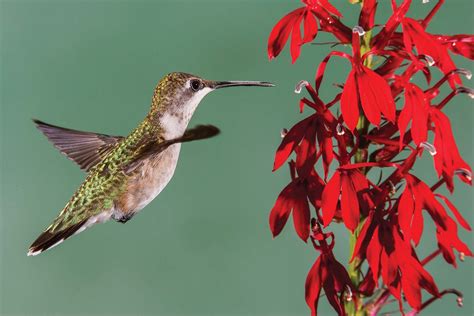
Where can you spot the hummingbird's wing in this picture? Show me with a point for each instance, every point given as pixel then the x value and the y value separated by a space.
pixel 84 148
pixel 196 133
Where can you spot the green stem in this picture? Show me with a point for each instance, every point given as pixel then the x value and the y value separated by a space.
pixel 361 155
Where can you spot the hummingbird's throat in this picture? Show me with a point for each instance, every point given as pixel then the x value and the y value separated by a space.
pixel 177 115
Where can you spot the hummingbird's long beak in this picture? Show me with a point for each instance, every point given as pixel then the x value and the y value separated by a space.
pixel 224 84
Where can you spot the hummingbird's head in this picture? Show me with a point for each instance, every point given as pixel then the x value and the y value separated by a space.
pixel 178 94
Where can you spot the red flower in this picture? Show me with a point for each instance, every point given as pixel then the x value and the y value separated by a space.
pixel 448 161
pixel 291 24
pixel 302 137
pixel 328 274
pixel 426 44
pixel 390 256
pixel 416 109
pixel 363 86
pixel 352 187
pixel 294 197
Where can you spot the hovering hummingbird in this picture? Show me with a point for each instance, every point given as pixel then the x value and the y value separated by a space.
pixel 124 174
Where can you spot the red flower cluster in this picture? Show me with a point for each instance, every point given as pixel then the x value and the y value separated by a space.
pixel 384 115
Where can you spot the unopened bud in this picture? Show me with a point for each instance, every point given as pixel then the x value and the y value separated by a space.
pixel 431 149
pixel 460 302
pixel 359 30
pixel 340 129
pixel 300 85
pixel 283 132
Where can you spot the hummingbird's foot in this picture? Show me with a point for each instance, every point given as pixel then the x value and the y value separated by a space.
pixel 122 217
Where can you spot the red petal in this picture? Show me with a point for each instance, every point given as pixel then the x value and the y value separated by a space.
pixel 404 118
pixel 313 286
pixel 281 31
pixel 349 203
pixel 419 128
pixel 291 140
pixel 366 18
pixel 296 42
pixel 406 207
pixel 461 220
pixel 310 27
pixel 301 215
pixel 350 102
pixel 368 97
pixel 381 94
pixel 323 64
pixel 281 210
pixel 374 250
pixel 330 198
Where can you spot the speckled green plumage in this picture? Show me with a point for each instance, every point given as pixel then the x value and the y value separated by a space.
pixel 106 180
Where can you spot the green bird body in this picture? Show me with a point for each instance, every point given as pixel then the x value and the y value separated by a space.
pixel 127 173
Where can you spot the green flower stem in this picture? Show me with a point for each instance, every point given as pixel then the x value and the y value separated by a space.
pixel 361 155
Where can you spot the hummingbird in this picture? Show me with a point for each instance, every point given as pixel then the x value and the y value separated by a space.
pixel 124 174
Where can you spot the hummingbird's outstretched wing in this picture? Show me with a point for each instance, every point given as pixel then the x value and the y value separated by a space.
pixel 196 133
pixel 84 148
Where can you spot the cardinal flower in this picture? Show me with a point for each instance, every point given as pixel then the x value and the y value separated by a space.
pixel 448 161
pixel 294 199
pixel 391 257
pixel 327 274
pixel 416 109
pixel 349 187
pixel 301 138
pixel 363 86
pixel 290 24
pixel 426 44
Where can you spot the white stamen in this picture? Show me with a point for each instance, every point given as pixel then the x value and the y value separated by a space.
pixel 466 90
pixel 462 256
pixel 300 85
pixel 465 72
pixel 283 132
pixel 431 149
pixel 339 129
pixel 348 294
pixel 425 1
pixel 359 30
pixel 464 172
pixel 430 60
pixel 459 300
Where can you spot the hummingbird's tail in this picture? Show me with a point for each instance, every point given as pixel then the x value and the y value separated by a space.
pixel 49 239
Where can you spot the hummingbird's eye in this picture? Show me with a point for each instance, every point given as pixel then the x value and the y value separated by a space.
pixel 196 84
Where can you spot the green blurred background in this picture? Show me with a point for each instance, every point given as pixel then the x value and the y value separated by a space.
pixel 203 247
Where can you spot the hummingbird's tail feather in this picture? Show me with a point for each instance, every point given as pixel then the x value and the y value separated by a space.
pixel 48 239
pixel 84 148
